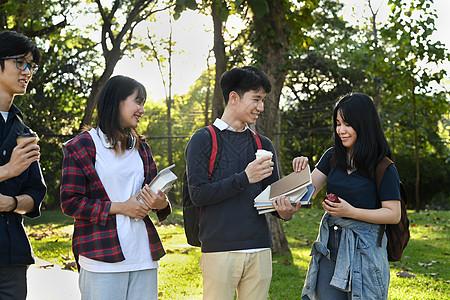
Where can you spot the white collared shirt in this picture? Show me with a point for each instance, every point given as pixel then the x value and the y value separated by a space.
pixel 222 125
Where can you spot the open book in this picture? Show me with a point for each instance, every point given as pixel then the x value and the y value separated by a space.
pixel 296 186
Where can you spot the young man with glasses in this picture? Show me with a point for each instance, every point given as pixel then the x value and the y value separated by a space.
pixel 22 186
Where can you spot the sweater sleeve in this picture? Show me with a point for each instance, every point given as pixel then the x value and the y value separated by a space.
pixel 201 191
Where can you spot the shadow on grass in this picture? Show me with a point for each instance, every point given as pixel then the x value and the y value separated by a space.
pixel 49 218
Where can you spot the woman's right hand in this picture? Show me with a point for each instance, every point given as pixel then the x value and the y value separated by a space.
pixel 131 208
pixel 299 163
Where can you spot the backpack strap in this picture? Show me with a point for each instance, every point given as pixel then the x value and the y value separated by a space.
pixel 382 165
pixel 257 139
pixel 215 150
pixel 216 147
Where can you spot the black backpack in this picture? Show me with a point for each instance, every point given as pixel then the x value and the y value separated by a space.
pixel 192 213
pixel 397 234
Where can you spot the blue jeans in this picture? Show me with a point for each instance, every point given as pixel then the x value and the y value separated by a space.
pixel 326 269
pixel 135 285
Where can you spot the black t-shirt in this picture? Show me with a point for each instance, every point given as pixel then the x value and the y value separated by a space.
pixel 358 190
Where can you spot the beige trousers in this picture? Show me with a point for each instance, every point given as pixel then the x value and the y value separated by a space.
pixel 225 273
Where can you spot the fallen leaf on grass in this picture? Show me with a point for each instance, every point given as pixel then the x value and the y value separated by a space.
pixel 302 244
pixel 46 266
pixel 286 262
pixel 185 251
pixel 406 268
pixel 66 257
pixel 424 264
pixel 405 275
pixel 427 264
pixel 431 274
pixel 70 265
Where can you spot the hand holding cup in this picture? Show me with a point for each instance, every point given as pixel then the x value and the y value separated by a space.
pixel 25 135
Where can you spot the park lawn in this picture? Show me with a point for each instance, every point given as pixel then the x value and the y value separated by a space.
pixel 427 255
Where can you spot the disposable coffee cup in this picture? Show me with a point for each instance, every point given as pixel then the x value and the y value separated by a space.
pixel 25 135
pixel 263 153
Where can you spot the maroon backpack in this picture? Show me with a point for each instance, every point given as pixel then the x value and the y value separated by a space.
pixel 397 234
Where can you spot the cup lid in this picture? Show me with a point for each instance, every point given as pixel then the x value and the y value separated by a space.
pixel 26 134
pixel 263 152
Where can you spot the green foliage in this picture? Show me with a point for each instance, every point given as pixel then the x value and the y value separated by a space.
pixel 54 104
pixel 188 115
pixel 181 5
pixel 433 170
pixel 426 255
pixel 326 58
pixel 316 79
pixel 259 7
pixel 391 68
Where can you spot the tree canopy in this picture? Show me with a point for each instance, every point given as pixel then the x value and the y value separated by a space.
pixel 312 55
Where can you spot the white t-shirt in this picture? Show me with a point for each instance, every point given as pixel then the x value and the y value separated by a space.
pixel 122 176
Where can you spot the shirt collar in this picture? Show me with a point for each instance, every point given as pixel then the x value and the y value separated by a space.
pixel 222 125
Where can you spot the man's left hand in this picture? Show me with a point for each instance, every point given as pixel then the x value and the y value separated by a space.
pixel 285 208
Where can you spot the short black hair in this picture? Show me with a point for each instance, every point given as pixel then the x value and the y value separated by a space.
pixel 242 80
pixel 13 43
pixel 359 112
pixel 116 90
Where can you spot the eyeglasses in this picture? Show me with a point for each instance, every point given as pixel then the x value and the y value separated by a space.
pixel 22 64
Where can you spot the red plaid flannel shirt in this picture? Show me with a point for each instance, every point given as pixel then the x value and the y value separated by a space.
pixel 84 198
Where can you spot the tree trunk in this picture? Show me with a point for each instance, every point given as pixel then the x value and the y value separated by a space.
pixel 221 64
pixel 169 103
pixel 273 52
pixel 115 37
pixel 416 146
pixel 95 91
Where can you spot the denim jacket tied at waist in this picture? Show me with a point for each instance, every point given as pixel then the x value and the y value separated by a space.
pixel 362 266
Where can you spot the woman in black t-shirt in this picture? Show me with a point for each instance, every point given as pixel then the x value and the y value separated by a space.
pixel 359 144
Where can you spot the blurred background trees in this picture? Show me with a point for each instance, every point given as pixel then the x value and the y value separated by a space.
pixel 312 55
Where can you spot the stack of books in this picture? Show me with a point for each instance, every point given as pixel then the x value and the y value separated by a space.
pixel 296 186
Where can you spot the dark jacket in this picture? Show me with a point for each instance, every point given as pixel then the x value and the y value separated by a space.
pixel 15 249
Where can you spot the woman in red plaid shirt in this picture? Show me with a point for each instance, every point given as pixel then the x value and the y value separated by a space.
pixel 105 170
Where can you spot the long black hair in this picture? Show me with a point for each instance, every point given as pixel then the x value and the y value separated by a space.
pixel 116 90
pixel 359 112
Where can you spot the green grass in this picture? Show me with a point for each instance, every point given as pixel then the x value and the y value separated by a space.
pixel 427 255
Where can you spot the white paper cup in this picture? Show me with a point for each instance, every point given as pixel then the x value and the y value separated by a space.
pixel 263 153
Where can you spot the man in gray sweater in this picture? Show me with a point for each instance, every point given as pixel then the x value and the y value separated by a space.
pixel 236 255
